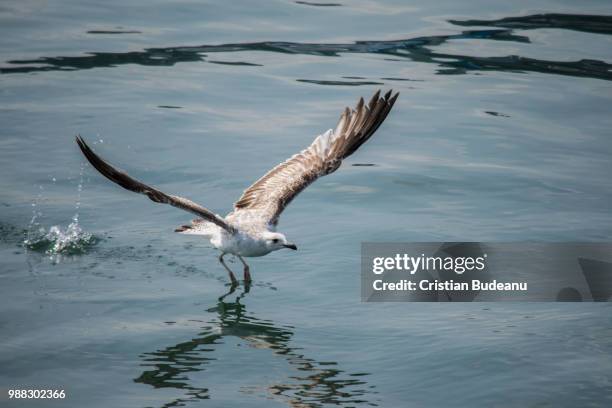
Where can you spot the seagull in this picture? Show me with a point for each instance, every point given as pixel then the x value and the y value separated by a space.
pixel 249 230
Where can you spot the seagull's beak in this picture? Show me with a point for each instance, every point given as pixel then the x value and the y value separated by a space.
pixel 290 246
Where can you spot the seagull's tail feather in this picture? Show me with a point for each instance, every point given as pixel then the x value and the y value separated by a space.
pixel 198 227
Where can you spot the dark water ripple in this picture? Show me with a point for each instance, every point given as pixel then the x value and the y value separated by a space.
pixel 577 22
pixel 415 49
pixel 237 63
pixel 114 32
pixel 345 83
pixel 310 3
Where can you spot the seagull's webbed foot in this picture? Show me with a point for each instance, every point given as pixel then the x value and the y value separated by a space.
pixel 229 271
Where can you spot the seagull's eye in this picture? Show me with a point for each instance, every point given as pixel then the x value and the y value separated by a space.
pixel 275 240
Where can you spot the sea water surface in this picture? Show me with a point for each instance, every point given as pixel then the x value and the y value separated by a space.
pixel 502 133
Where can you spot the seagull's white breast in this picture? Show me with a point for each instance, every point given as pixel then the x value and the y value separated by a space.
pixel 242 243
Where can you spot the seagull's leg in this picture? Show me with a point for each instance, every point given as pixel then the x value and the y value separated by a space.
pixel 231 274
pixel 247 273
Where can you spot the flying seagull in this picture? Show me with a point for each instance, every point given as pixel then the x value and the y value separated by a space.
pixel 250 229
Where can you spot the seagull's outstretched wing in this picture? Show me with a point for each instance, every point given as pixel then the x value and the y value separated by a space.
pixel 275 190
pixel 136 186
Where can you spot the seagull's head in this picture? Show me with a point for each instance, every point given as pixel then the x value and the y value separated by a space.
pixel 276 240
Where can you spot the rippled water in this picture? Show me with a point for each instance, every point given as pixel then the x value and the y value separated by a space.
pixel 501 133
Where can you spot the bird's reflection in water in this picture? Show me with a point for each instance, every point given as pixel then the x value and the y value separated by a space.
pixel 314 384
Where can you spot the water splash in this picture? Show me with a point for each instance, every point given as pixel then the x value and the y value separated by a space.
pixel 70 241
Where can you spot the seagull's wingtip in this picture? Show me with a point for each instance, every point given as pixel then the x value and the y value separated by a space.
pixel 80 141
pixel 393 98
pixel 83 146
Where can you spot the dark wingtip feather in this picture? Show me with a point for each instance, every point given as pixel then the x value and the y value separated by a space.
pixel 110 172
pixel 374 99
pixel 79 141
pixel 359 104
pixel 393 99
pixel 87 152
pixel 378 109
